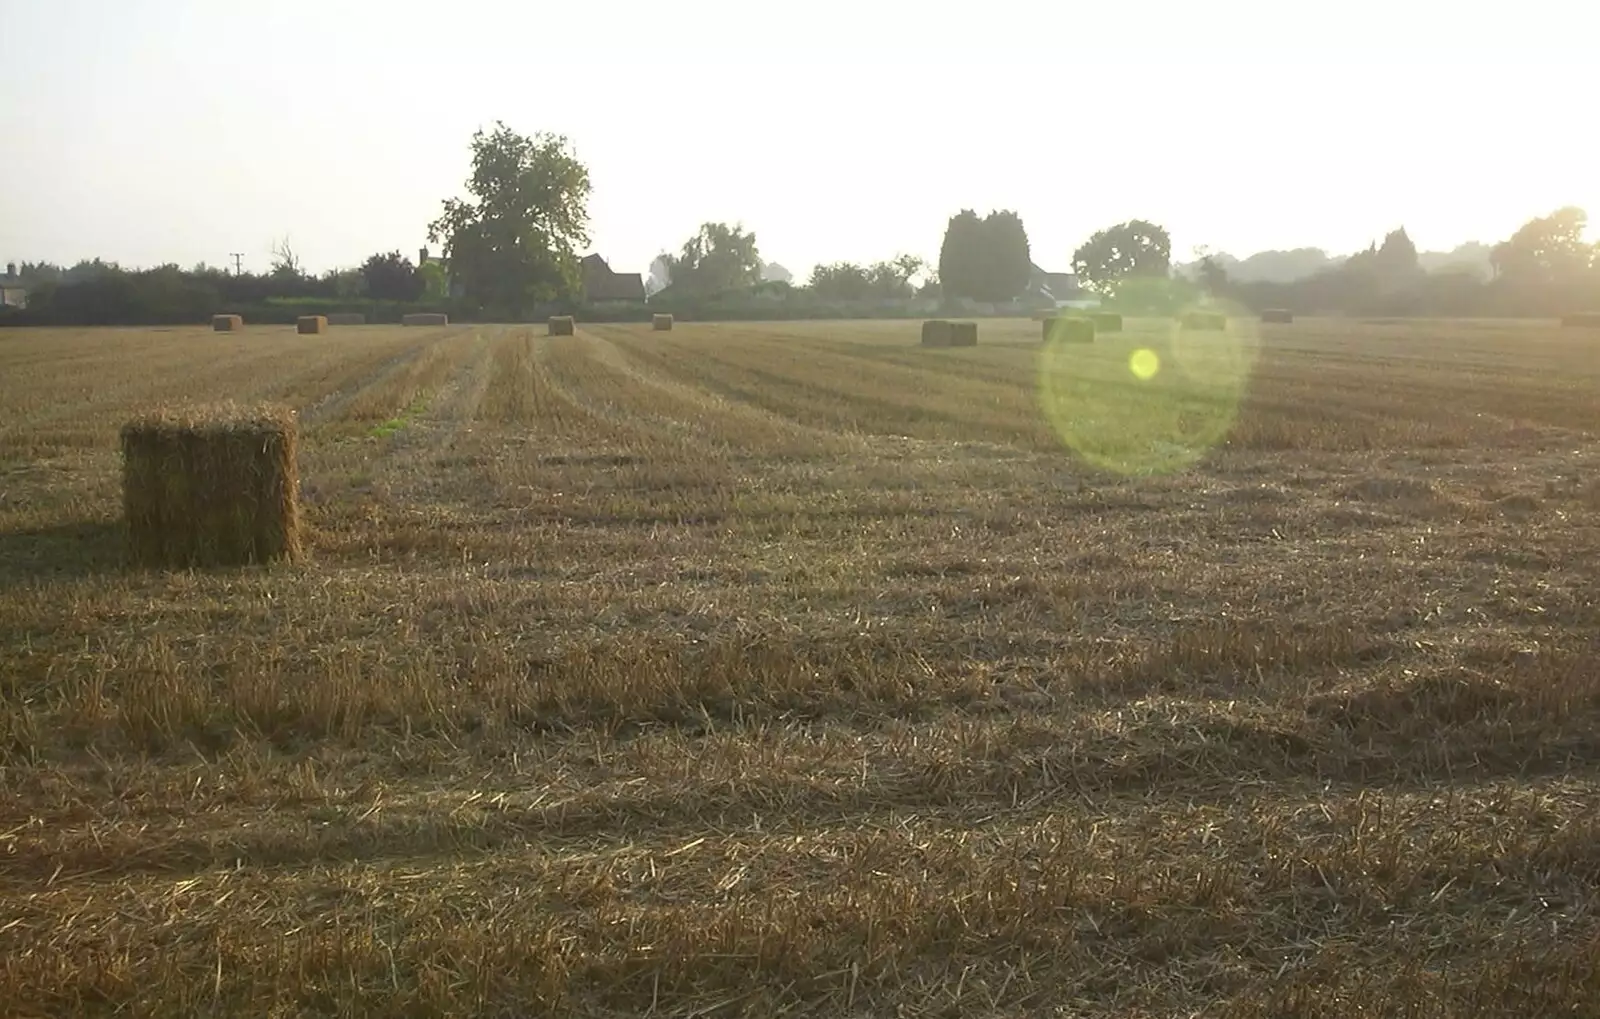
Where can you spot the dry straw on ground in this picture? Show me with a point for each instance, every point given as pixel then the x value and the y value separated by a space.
pixel 347 318
pixel 562 325
pixel 1068 330
pixel 311 325
pixel 425 318
pixel 1206 320
pixel 227 323
pixel 1583 320
pixel 1277 316
pixel 661 323
pixel 213 486
pixel 799 673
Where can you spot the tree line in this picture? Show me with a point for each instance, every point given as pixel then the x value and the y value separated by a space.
pixel 1544 269
pixel 511 247
pixel 96 292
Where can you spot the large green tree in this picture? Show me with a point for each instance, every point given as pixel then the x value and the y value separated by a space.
pixel 1134 248
pixel 346 284
pixel 985 259
pixel 840 281
pixel 1549 249
pixel 717 258
pixel 961 255
pixel 886 280
pixel 435 282
pixel 513 243
pixel 1398 258
pixel 392 277
pixel 1010 261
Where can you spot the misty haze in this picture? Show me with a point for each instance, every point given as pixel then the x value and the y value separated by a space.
pixel 799 510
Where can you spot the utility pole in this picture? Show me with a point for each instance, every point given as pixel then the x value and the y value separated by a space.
pixel 237 255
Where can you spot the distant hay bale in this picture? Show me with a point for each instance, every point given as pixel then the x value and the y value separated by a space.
pixel 1044 314
pixel 1583 320
pixel 1106 322
pixel 227 323
pixel 1205 320
pixel 1278 316
pixel 661 323
pixel 347 318
pixel 425 318
pixel 939 333
pixel 1069 330
pixel 211 487
pixel 562 325
pixel 311 325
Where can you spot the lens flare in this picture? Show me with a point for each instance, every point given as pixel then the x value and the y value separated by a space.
pixel 1157 397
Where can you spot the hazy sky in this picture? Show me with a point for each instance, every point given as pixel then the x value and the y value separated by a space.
pixel 148 131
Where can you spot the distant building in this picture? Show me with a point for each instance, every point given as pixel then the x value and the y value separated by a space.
pixel 660 277
pixel 601 284
pixel 12 293
pixel 1059 288
pixel 456 289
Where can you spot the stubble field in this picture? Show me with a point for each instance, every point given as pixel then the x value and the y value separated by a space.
pixel 794 669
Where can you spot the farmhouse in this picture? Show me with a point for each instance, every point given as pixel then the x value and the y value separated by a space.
pixel 601 284
pixel 12 293
pixel 456 288
pixel 1059 288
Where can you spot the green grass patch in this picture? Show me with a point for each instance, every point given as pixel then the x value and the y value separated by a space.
pixel 398 424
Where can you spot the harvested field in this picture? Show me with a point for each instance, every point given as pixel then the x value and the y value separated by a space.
pixel 796 669
pixel 1204 320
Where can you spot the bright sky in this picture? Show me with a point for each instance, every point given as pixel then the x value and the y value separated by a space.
pixel 148 131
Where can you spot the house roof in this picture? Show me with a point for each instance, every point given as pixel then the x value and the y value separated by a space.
pixel 601 284
pixel 1060 285
pixel 619 286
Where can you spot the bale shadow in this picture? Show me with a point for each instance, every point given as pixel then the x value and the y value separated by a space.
pixel 82 548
